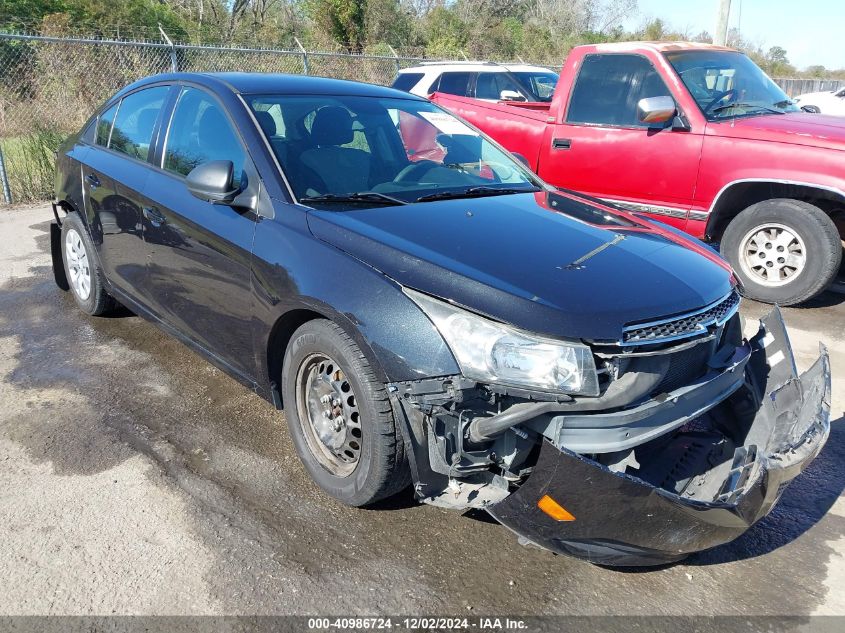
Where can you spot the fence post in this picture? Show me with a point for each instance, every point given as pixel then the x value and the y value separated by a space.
pixel 174 62
pixel 395 58
pixel 4 179
pixel 304 56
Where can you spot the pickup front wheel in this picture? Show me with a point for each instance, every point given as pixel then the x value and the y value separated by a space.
pixel 784 251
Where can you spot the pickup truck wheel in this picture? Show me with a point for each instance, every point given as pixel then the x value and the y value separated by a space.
pixel 784 251
pixel 340 417
pixel 84 275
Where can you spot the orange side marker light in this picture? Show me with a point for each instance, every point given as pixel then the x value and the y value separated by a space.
pixel 554 509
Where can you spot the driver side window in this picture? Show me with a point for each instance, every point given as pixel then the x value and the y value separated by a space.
pixel 200 132
pixel 608 88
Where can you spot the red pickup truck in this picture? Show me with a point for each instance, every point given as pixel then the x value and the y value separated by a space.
pixel 696 136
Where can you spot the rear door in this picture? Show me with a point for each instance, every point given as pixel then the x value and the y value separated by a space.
pixel 199 253
pixel 114 175
pixel 598 145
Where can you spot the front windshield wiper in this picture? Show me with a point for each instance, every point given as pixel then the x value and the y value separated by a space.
pixel 361 196
pixel 743 104
pixel 475 192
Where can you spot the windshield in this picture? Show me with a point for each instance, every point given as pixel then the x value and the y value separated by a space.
pixel 728 84
pixel 539 84
pixel 344 152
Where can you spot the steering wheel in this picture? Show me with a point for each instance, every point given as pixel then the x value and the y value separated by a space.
pixel 720 97
pixel 415 171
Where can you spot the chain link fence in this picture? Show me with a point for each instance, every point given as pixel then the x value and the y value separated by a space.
pixel 49 86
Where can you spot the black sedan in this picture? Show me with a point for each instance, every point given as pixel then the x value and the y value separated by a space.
pixel 428 312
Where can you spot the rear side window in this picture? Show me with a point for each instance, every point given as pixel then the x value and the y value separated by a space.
pixel 491 85
pixel 199 133
pixel 104 126
pixel 406 81
pixel 135 122
pixel 454 83
pixel 608 88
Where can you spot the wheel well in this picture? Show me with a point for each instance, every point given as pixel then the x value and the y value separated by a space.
pixel 742 195
pixel 280 336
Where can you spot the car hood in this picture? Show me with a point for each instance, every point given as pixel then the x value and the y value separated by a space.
pixel 797 128
pixel 545 262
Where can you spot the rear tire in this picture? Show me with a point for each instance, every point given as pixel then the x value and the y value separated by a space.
pixel 784 251
pixel 340 417
pixel 82 269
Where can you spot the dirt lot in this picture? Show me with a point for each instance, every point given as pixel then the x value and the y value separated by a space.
pixel 137 479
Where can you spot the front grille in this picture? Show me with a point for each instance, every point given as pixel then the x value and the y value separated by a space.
pixel 682 326
pixel 684 367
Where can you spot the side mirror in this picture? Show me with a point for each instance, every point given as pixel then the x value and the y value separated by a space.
pixel 656 110
pixel 212 182
pixel 510 95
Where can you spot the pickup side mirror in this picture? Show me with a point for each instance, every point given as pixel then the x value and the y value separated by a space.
pixel 510 95
pixel 212 182
pixel 656 110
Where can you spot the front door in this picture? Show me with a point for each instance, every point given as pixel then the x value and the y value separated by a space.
pixel 199 253
pixel 599 146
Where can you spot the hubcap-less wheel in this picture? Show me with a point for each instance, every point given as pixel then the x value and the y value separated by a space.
pixel 328 413
pixel 78 266
pixel 772 254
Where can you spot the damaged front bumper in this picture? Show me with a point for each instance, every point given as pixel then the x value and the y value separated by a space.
pixel 697 487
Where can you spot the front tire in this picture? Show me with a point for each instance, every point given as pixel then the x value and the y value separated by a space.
pixel 340 417
pixel 784 251
pixel 83 272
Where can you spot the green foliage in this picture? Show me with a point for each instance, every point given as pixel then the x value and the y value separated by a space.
pixel 31 163
pixel 343 20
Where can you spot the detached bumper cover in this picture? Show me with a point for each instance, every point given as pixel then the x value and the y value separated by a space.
pixel 623 520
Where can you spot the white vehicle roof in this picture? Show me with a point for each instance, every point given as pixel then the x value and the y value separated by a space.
pixel 474 66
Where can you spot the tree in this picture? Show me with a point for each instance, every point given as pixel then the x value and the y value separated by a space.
pixel 343 20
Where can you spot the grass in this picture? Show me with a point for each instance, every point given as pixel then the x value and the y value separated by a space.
pixel 31 163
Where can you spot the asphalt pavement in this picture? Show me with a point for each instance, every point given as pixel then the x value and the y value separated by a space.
pixel 135 478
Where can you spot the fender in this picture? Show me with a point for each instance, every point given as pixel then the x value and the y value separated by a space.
pixel 377 315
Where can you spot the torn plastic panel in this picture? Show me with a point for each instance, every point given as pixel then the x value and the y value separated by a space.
pixel 696 488
pixel 648 483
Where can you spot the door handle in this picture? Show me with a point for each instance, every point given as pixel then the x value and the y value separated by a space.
pixel 561 143
pixel 154 216
pixel 93 181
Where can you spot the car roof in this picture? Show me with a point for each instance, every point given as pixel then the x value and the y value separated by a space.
pixel 272 83
pixel 473 66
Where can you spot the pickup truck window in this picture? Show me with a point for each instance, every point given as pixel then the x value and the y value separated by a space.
pixel 342 152
pixel 608 88
pixel 727 84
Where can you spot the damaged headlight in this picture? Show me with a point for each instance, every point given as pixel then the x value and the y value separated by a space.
pixel 496 353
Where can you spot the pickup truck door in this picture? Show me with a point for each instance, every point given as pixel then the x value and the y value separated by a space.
pixel 598 146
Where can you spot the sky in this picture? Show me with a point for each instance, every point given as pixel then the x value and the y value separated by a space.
pixel 811 31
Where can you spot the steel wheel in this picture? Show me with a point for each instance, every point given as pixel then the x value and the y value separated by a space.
pixel 328 414
pixel 79 270
pixel 772 254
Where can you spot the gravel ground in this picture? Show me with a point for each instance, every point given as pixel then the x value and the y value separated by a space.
pixel 135 478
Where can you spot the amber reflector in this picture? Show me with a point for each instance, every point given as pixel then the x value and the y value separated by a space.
pixel 554 509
